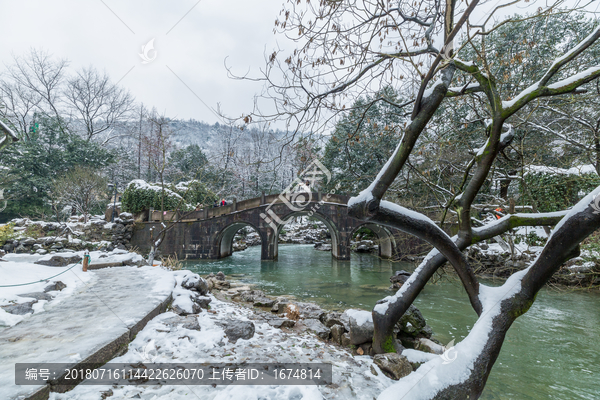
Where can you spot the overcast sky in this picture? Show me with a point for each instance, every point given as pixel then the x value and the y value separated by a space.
pixel 192 39
pixel 109 34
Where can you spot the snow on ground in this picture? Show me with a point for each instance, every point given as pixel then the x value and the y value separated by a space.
pixel 19 269
pixel 352 375
pixel 100 311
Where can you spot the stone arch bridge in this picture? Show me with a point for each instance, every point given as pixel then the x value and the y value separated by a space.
pixel 209 233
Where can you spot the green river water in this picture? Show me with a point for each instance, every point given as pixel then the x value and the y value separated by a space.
pixel 552 352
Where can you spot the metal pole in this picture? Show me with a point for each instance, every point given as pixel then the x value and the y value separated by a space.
pixel 112 219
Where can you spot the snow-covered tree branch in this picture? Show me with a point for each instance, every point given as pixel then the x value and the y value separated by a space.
pixel 338 58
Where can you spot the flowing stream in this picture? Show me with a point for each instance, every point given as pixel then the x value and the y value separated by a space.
pixel 552 352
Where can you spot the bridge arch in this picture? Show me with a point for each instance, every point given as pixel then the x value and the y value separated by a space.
pixel 224 238
pixel 333 230
pixel 386 240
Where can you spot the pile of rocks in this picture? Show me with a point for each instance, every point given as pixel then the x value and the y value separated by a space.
pixel 350 328
pixel 217 281
pixel 43 237
pixel 194 299
pixel 197 289
pixel 314 232
pixel 121 232
pixel 364 246
pixel 491 264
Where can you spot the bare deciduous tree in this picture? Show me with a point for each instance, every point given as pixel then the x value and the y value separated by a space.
pixel 350 49
pixel 100 104
pixel 39 79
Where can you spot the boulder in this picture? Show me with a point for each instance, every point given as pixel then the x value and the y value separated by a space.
pixel 221 285
pixel 281 323
pixel 58 285
pixel 331 319
pixel 264 302
pixel 407 341
pixel 184 305
pixel 177 309
pixel 37 295
pixel 400 277
pixel 20 309
pixel 21 249
pixel 251 295
pixel 336 333
pixel 236 329
pixel 360 326
pixel 282 307
pixel 211 284
pixel 346 340
pixel 429 346
pixel 411 323
pixel 188 322
pixel 292 312
pixel 59 260
pixel 310 311
pixel 220 276
pixel 393 365
pixel 202 301
pixel 314 325
pixel 195 282
pixel 426 332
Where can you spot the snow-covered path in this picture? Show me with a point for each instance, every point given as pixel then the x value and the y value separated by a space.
pixel 103 315
pixel 353 376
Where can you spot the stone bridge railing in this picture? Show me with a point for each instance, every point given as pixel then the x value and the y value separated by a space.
pixel 211 212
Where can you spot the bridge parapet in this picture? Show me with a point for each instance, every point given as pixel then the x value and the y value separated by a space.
pixel 209 233
pixel 212 212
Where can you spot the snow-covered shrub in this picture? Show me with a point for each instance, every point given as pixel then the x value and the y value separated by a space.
pixel 195 192
pixel 555 189
pixel 140 196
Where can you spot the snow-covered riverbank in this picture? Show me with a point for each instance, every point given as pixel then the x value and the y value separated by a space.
pixel 207 338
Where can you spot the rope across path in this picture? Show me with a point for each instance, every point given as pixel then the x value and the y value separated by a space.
pixel 43 280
